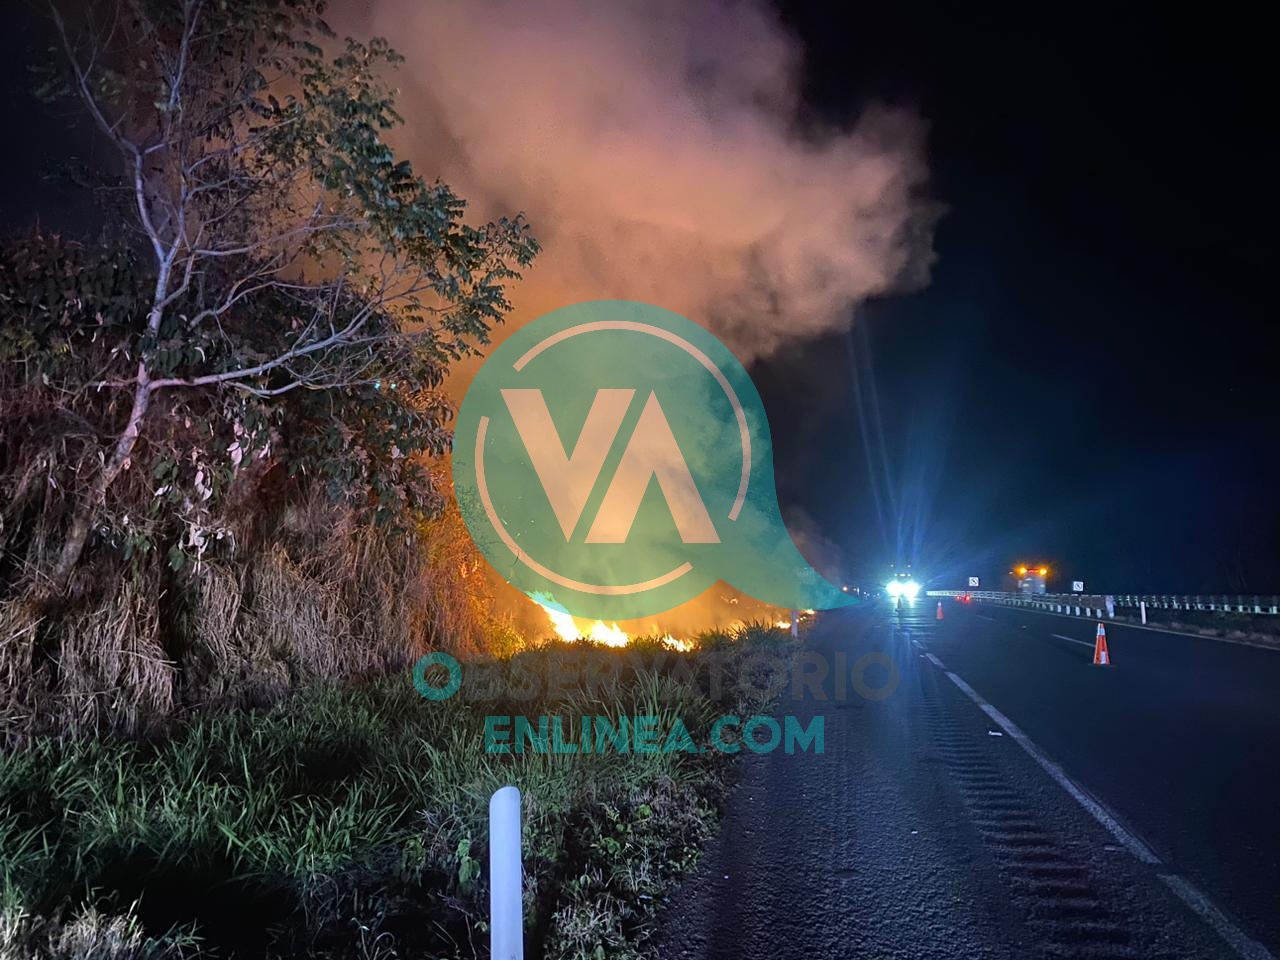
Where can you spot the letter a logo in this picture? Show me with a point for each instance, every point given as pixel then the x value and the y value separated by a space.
pixel 568 479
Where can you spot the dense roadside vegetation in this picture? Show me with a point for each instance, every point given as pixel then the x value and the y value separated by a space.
pixel 225 538
pixel 350 821
pixel 221 421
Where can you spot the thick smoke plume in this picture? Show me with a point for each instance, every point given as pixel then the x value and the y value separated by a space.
pixel 662 153
pixel 659 151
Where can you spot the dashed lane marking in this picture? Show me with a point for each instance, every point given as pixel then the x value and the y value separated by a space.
pixel 1083 643
pixel 1150 628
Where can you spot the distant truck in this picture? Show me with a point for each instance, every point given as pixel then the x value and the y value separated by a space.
pixel 1028 580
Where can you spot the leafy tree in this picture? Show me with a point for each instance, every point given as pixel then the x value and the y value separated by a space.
pixel 294 288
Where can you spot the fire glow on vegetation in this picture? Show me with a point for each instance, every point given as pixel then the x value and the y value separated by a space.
pixel 786 624
pixel 569 628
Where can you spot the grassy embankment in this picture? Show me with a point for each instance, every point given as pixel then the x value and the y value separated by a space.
pixel 1262 631
pixel 351 822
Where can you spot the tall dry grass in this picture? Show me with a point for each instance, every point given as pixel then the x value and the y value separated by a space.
pixel 314 594
pixel 206 578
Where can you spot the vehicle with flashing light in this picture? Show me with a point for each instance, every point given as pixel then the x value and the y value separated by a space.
pixel 902 585
pixel 1028 579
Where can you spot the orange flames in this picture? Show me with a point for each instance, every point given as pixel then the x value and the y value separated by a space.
pixel 718 609
pixel 569 628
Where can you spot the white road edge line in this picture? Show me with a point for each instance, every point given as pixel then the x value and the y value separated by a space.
pixel 1239 941
pixel 990 619
pixel 1201 905
pixel 1099 812
pixel 1083 643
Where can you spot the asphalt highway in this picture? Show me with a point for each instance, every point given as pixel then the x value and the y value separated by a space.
pixel 1005 799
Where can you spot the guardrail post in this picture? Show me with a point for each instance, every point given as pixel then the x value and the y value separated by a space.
pixel 506 898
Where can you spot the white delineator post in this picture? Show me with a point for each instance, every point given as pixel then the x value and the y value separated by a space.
pixel 1142 609
pixel 506 914
pixel 795 624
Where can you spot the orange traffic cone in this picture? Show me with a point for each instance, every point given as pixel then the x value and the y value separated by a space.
pixel 939 609
pixel 1101 658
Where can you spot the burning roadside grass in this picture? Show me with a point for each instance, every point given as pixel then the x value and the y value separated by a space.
pixel 351 822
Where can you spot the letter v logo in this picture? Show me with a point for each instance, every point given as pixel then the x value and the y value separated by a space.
pixel 568 479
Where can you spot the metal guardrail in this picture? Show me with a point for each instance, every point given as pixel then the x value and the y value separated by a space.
pixel 1076 604
pixel 1265 606
pixel 1094 604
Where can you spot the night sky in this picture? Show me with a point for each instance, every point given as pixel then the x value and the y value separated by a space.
pixel 1088 379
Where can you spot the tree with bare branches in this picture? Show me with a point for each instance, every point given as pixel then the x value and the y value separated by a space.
pixel 291 267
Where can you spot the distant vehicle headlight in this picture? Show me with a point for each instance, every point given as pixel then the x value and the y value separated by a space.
pixel 894 588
